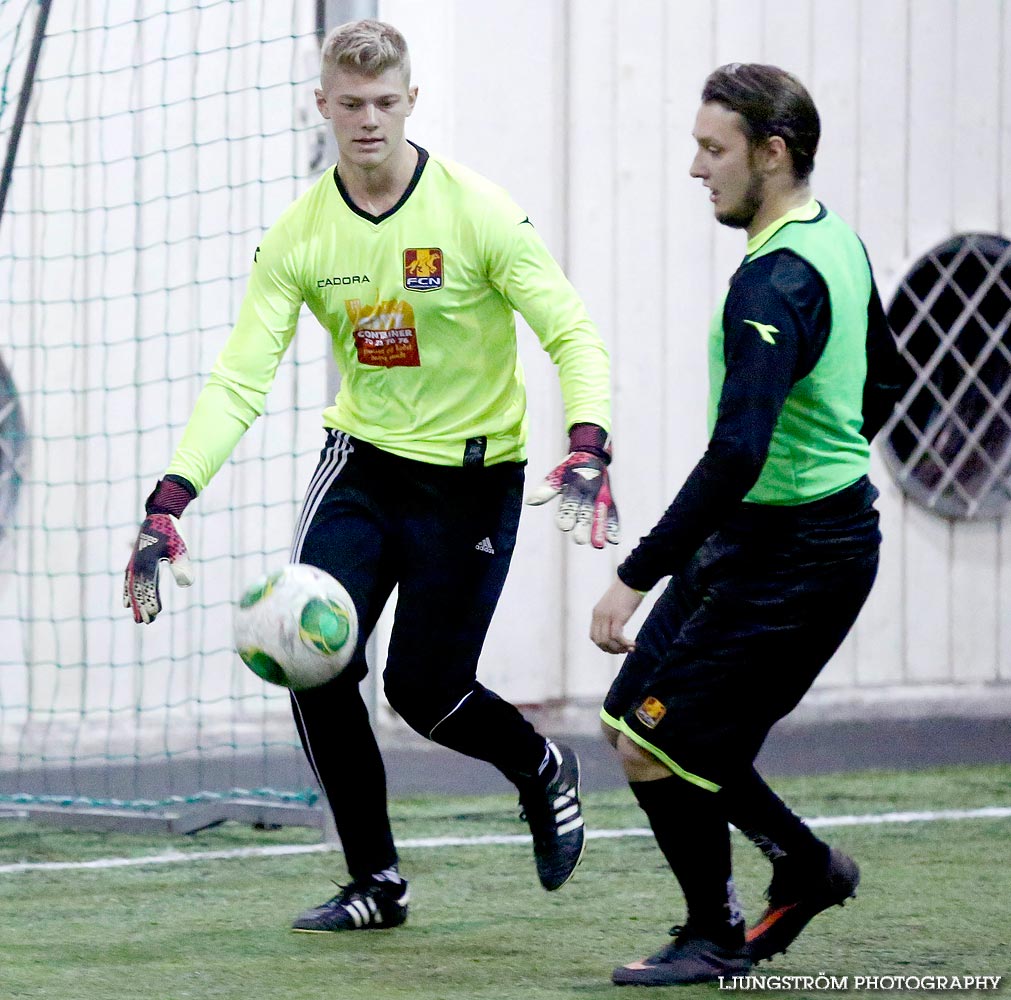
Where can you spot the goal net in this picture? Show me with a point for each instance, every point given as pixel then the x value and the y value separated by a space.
pixel 159 141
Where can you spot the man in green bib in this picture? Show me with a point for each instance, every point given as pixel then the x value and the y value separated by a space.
pixel 771 545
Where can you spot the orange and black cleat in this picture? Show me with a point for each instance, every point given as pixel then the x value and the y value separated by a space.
pixel 791 908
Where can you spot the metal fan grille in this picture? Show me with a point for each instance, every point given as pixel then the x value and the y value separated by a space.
pixel 949 442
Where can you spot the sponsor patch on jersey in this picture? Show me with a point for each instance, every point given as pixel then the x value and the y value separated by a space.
pixel 423 269
pixel 384 332
pixel 388 348
pixel 650 712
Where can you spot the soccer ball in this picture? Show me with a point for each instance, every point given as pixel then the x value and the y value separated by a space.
pixel 296 627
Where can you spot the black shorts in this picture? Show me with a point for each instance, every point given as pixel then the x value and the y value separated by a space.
pixel 737 638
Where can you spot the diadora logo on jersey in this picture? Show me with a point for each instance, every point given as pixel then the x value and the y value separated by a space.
pixel 423 269
pixel 343 279
pixel 765 330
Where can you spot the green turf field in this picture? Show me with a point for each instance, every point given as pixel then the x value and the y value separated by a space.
pixel 935 901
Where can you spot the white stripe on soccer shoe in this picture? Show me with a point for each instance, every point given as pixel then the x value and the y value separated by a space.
pixel 555 752
pixel 569 827
pixel 359 911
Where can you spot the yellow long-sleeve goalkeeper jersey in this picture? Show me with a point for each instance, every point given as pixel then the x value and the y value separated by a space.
pixel 419 303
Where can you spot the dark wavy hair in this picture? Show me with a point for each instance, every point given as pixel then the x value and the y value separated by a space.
pixel 770 102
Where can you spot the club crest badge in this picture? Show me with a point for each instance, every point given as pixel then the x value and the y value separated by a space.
pixel 650 712
pixel 423 269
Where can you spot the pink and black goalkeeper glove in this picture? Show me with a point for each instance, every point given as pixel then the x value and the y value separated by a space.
pixel 158 541
pixel 586 508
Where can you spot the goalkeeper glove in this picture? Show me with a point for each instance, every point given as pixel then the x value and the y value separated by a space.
pixel 586 508
pixel 158 540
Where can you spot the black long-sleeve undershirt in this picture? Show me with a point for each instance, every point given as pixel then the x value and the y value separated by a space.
pixel 779 290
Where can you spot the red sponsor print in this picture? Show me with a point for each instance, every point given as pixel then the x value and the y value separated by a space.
pixel 385 332
pixel 388 348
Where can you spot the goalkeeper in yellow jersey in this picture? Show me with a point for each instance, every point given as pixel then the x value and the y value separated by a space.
pixel 415 266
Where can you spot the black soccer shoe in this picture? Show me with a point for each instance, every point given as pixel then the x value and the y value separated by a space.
pixel 360 906
pixel 555 818
pixel 793 902
pixel 689 958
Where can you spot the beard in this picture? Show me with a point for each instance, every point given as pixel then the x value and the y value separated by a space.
pixel 742 214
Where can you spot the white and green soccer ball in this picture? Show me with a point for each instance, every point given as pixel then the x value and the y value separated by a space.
pixel 296 627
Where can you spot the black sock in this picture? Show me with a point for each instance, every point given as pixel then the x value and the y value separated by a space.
pixel 762 816
pixel 488 728
pixel 692 832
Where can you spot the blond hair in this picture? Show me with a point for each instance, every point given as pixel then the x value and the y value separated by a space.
pixel 366 47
